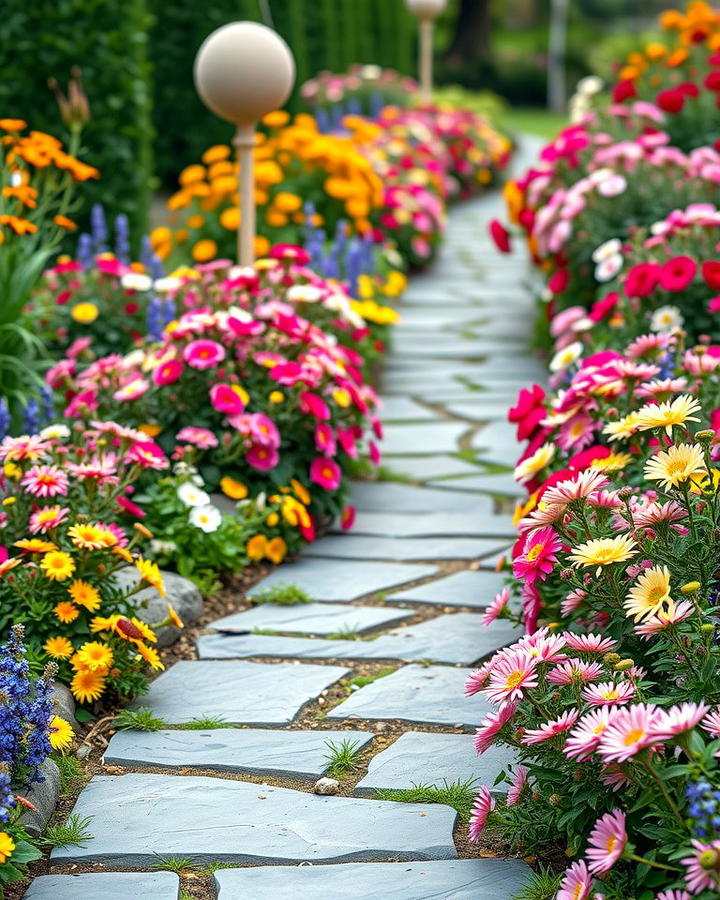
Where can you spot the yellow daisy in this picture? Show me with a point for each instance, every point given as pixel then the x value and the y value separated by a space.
pixel 150 573
pixel 58 647
pixel 530 467
pixel 57 565
pixel 66 612
pixel 604 551
pixel 61 734
pixel 87 685
pixel 623 428
pixel 85 594
pixel 676 465
pixel 91 537
pixel 233 489
pixel 35 545
pixel 150 655
pixel 7 846
pixel 649 594
pixel 612 463
pixel 95 656
pixel 666 415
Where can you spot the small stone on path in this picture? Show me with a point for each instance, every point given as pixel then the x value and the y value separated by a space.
pixel 326 787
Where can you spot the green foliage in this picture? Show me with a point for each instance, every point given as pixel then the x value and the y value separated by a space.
pixel 108 39
pixel 204 723
pixel 71 772
pixel 280 594
pixel 543 885
pixel 458 794
pixel 141 719
pixel 177 864
pixel 363 680
pixel 342 757
pixel 25 852
pixel 73 832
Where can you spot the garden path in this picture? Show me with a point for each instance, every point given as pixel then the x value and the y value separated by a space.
pixel 376 661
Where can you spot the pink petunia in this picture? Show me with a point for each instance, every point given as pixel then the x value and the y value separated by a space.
pixel 326 473
pixel 606 842
pixel 482 808
pixel 203 354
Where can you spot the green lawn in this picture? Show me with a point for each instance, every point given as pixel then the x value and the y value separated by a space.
pixel 532 120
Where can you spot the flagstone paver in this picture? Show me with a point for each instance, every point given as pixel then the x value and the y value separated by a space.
pixel 427 758
pixel 341 581
pixel 105 885
pixel 310 618
pixel 429 694
pixel 138 817
pixel 251 750
pixel 237 692
pixel 454 353
pixel 461 879
pixel 461 589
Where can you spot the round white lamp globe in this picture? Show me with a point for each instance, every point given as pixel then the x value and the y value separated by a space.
pixel 243 71
pixel 426 9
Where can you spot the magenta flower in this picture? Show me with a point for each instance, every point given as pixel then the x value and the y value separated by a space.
pixel 703 867
pixel 497 606
pixel 550 729
pixel 168 372
pixel 538 556
pixel 226 399
pixel 517 786
pixel 148 455
pixel 492 724
pixel 347 517
pixel 264 431
pixel 324 437
pixel 606 842
pixel 325 472
pixel 312 404
pixel 484 805
pixel 203 354
pixel 576 883
pixel 262 457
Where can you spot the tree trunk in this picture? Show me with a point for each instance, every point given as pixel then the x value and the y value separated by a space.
pixel 471 36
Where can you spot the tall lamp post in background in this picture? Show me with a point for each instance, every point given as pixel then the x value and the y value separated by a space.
pixel 243 71
pixel 426 11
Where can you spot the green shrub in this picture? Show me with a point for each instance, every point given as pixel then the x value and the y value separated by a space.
pixel 108 40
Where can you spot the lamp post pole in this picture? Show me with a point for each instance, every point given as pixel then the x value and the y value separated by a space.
pixel 242 72
pixel 426 11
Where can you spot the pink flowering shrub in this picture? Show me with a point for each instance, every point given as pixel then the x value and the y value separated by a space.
pixel 613 711
pixel 247 385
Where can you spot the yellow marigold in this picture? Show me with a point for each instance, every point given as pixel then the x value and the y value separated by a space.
pixel 655 51
pixel 276 119
pixel 287 202
pixel 150 430
pixel 57 565
pixel 276 550
pixel 276 219
pixel 262 245
pixel 276 397
pixel 64 222
pixel 84 313
pixel 216 154
pixel 236 490
pixel 61 734
pixel 85 594
pixel 159 236
pixel 342 397
pixel 58 647
pixel 192 175
pixel 230 218
pixel 96 656
pixel 255 547
pixel 87 686
pixel 65 612
pixel 150 573
pixel 301 492
pixel 13 124
pixel 35 545
pixel 195 221
pixel 272 520
pixel 204 250
pixel 676 58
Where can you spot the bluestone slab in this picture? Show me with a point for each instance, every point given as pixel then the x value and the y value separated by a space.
pixel 460 879
pixel 106 885
pixel 459 589
pixel 337 581
pixel 430 694
pixel 471 523
pixel 136 818
pixel 252 750
pixel 348 546
pixel 242 693
pixel 501 483
pixel 402 409
pixel 388 496
pixel 437 437
pixel 424 757
pixel 310 618
pixel 422 468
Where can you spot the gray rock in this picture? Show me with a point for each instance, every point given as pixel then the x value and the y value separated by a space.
pixel 438 437
pixel 469 588
pixel 337 581
pixel 310 618
pixel 43 795
pixel 428 694
pixel 326 787
pixel 180 592
pixel 242 693
pixel 423 757
pixel 104 885
pixel 457 639
pixel 300 754
pixel 138 817
pixel 359 546
pixel 461 879
pixel 64 703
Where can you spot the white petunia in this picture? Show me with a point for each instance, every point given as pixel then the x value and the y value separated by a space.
pixel 191 495
pixel 606 250
pixel 608 268
pixel 207 518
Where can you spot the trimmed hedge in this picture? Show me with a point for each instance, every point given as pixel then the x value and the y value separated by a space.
pixel 108 40
pixel 323 34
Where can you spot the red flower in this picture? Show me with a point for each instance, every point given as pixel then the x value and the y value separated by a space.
pixel 528 412
pixel 586 457
pixel 500 236
pixel 600 309
pixel 712 81
pixel 671 100
pixel 677 273
pixel 642 279
pixel 711 274
pixel 623 90
pixel 559 281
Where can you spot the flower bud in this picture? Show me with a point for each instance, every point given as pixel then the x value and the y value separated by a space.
pixel 612 658
pixel 707 628
pixel 690 587
pixel 554 799
pixel 624 665
pixel 705 435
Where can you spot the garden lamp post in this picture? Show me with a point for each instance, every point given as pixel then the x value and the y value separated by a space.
pixel 426 11
pixel 243 71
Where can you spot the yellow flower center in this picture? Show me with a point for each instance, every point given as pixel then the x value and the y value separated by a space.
pixel 534 552
pixel 514 678
pixel 632 737
pixel 611 695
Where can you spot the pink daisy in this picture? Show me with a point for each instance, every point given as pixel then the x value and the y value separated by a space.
pixel 202 438
pixel 511 675
pixel 539 555
pixel 589 643
pixel 573 600
pixel 711 723
pixel 677 720
pixel 609 693
pixel 543 646
pixel 148 455
pixel 586 735
pixel 203 354
pixel 497 606
pixel 673 895
pixel 478 679
pixel 575 672
pixel 549 729
pixel 576 884
pixel 652 513
pixel 45 481
pixel 484 804
pixel 491 725
pixel 697 877
pixel 43 520
pixel 226 399
pixel 677 612
pixel 630 731
pixel 614 777
pixel 577 488
pixel 606 842
pixel 517 786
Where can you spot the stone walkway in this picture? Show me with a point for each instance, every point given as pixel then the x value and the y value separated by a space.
pixel 375 663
